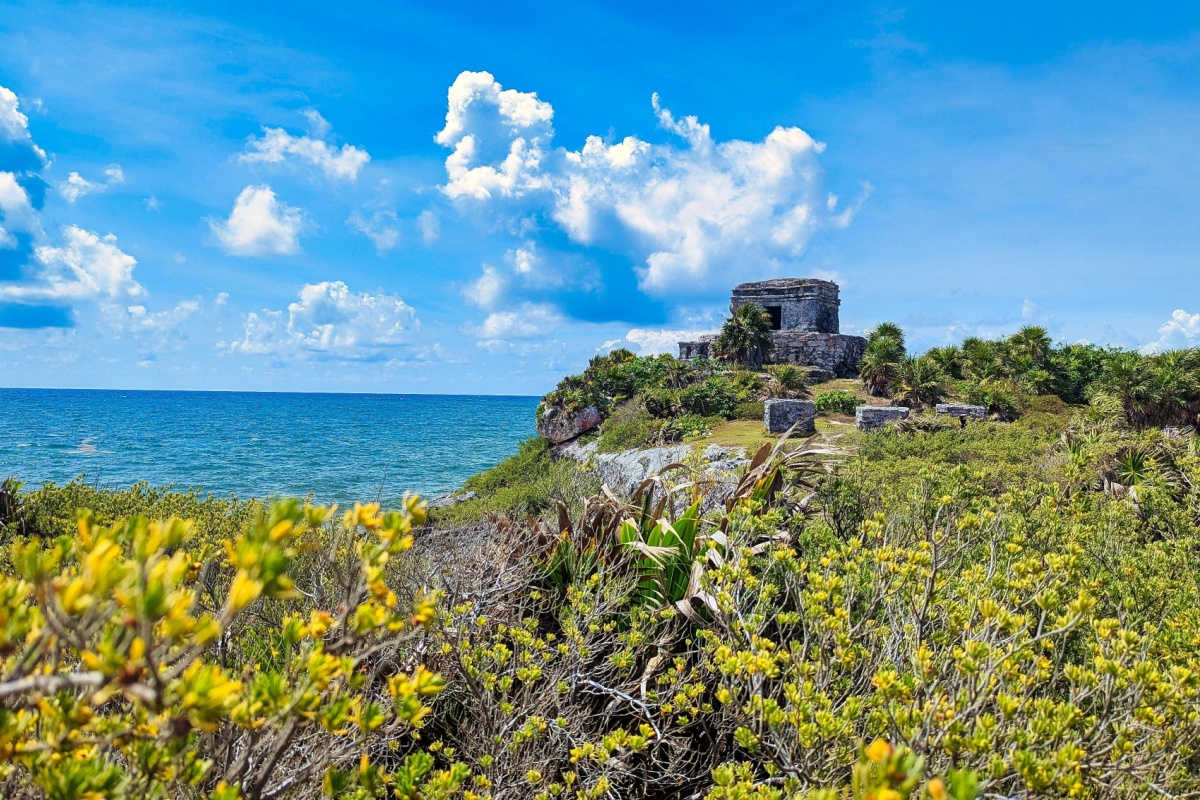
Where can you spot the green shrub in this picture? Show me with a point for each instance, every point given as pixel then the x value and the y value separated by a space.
pixel 750 409
pixel 838 401
pixel 714 397
pixel 687 426
pixel 629 426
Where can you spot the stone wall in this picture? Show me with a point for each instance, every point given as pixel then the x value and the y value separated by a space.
pixel 806 304
pixel 700 348
pixel 837 352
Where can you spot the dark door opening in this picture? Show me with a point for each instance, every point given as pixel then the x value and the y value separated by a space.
pixel 776 315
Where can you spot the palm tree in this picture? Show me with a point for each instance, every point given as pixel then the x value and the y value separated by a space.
pixel 788 380
pixel 880 364
pixel 1126 377
pixel 981 359
pixel 948 359
pixel 919 382
pixel 887 329
pixel 1031 341
pixel 745 337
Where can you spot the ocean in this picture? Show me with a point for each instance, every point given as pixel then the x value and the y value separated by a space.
pixel 338 447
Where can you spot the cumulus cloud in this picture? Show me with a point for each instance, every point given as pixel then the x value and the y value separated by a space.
pixel 328 320
pixel 17 214
pixel 260 225
pixel 16 143
pixel 84 267
pixel 526 321
pixel 653 341
pixel 1180 331
pixel 276 146
pixel 382 227
pixel 691 216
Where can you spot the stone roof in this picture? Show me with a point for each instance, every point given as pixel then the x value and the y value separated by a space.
pixel 778 284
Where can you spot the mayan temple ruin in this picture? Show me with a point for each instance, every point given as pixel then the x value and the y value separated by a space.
pixel 804 322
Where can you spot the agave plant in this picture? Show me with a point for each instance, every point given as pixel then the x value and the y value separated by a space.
pixel 666 553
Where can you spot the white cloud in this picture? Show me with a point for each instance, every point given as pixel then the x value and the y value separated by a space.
pixel 382 228
pixel 16 211
pixel 1180 331
pixel 486 290
pixel 260 225
pixel 692 217
pixel 653 341
pixel 152 203
pixel 14 125
pixel 76 186
pixel 85 267
pixel 526 321
pixel 429 227
pixel 154 331
pixel 318 126
pixel 277 145
pixel 497 136
pixel 330 321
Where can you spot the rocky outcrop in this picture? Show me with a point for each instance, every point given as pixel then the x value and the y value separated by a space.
pixel 960 410
pixel 868 418
pixel 623 471
pixel 780 414
pixel 561 425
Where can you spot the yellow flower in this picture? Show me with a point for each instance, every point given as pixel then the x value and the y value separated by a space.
pixel 937 789
pixel 878 750
pixel 244 591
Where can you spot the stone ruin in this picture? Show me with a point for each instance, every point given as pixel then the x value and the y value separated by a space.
pixel 804 322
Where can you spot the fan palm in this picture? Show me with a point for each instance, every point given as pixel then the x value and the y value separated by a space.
pixel 745 337
pixel 889 330
pixel 1031 341
pixel 919 382
pixel 948 359
pixel 880 365
pixel 788 380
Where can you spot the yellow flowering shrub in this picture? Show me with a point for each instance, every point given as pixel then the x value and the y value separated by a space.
pixel 121 673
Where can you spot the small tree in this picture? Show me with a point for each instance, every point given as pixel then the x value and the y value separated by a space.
pixel 745 337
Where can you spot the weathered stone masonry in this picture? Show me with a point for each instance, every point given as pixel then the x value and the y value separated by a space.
pixel 804 315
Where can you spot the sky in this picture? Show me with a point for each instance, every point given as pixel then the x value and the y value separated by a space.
pixel 477 198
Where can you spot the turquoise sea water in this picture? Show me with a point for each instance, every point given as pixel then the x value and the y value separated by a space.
pixel 339 447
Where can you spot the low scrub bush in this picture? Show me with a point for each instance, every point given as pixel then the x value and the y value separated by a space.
pixel 749 409
pixel 838 401
pixel 630 425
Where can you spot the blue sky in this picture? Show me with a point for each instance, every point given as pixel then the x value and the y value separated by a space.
pixel 476 198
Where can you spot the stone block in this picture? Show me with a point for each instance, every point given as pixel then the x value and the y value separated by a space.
pixel 961 410
pixel 868 418
pixel 779 415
